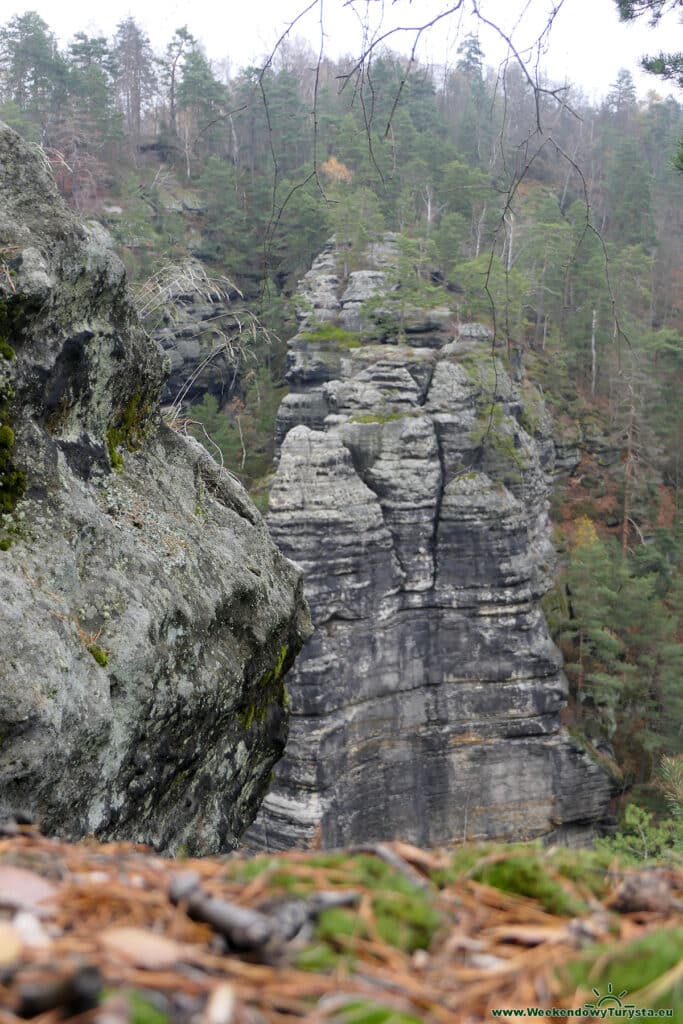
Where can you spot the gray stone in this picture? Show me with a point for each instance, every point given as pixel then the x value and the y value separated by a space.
pixel 300 407
pixel 319 289
pixel 398 459
pixel 427 705
pixel 147 619
pixel 363 285
pixel 317 494
pixel 474 332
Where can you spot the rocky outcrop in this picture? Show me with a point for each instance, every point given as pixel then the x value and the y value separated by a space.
pixel 198 329
pixel 412 490
pixel 147 620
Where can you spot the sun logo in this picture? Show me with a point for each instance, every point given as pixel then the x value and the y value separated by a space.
pixel 610 998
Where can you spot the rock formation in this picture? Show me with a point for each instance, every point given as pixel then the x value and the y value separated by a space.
pixel 198 327
pixel 147 620
pixel 412 490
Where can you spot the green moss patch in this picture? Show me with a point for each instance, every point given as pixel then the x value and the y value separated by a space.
pixel 12 478
pixel 144 1011
pixel 330 336
pixel 378 417
pixel 270 689
pixel 531 415
pixel 482 368
pixel 99 654
pixel 561 880
pixel 586 868
pixel 364 1011
pixel 648 969
pixel 494 431
pixel 115 458
pixel 404 915
pixel 246 716
pixel 463 859
pixel 130 429
pixel 276 671
pixel 527 876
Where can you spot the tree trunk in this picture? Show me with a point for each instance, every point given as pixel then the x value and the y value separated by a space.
pixel 480 224
pixel 510 237
pixel 629 470
pixel 594 362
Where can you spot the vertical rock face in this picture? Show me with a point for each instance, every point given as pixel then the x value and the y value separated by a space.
pixel 147 620
pixel 412 490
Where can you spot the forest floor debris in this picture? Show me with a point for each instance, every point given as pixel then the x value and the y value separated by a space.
pixel 114 934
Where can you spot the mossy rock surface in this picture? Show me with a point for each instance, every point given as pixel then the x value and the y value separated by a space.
pixel 133 631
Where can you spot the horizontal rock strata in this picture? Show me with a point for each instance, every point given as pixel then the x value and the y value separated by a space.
pixel 412 490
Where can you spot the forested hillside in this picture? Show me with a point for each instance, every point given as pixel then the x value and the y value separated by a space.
pixel 555 221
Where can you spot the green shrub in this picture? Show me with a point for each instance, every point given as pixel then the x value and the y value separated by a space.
pixel 643 838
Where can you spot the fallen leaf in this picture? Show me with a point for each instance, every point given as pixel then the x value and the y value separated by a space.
pixel 220 1008
pixel 30 930
pixel 142 948
pixel 24 890
pixel 10 944
pixel 487 962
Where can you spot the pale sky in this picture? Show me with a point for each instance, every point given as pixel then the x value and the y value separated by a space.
pixel 588 44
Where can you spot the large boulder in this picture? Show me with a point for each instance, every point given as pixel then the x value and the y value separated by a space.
pixel 147 620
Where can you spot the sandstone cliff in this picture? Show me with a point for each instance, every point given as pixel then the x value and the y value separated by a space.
pixel 412 490
pixel 146 618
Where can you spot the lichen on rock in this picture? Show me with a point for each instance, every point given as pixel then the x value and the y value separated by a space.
pixel 134 631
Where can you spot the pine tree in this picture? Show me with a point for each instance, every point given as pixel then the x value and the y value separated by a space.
pixel 33 75
pixel 225 229
pixel 135 76
pixel 171 71
pixel 473 137
pixel 544 249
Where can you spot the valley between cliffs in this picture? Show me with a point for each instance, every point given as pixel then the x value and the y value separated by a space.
pixel 148 619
